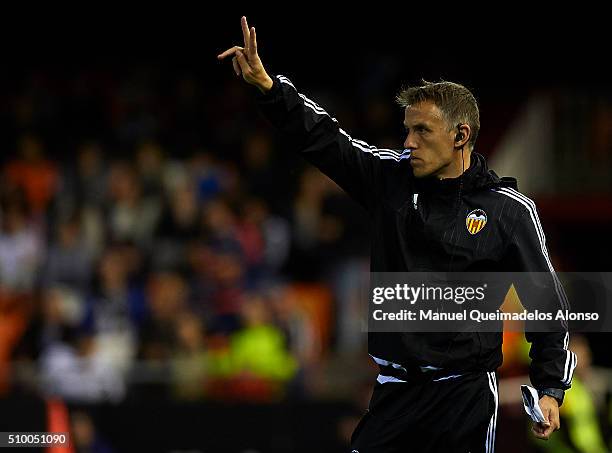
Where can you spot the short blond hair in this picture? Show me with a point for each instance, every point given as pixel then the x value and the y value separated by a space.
pixel 456 102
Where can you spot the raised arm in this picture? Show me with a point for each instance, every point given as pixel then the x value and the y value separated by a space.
pixel 308 128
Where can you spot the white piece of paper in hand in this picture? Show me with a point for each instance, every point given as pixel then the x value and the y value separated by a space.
pixel 531 403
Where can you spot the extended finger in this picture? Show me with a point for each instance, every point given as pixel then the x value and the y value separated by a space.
pixel 231 51
pixel 245 32
pixel 253 42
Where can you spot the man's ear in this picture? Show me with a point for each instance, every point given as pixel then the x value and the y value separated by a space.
pixel 463 135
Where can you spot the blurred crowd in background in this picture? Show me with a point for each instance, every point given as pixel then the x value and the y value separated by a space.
pixel 157 242
pixel 167 267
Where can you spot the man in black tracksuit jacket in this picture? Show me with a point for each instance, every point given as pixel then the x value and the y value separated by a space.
pixel 435 391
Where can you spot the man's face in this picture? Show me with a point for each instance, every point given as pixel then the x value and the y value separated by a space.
pixel 430 138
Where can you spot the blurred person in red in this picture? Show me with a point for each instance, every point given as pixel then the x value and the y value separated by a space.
pixel 32 172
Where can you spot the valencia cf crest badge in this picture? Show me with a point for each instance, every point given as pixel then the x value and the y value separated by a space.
pixel 475 221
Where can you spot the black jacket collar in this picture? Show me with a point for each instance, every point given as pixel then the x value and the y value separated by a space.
pixel 476 177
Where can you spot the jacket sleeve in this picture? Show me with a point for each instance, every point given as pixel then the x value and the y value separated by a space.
pixel 352 164
pixel 552 363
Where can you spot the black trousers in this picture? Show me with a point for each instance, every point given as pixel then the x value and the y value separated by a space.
pixel 454 415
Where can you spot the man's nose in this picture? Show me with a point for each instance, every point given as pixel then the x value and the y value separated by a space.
pixel 410 142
